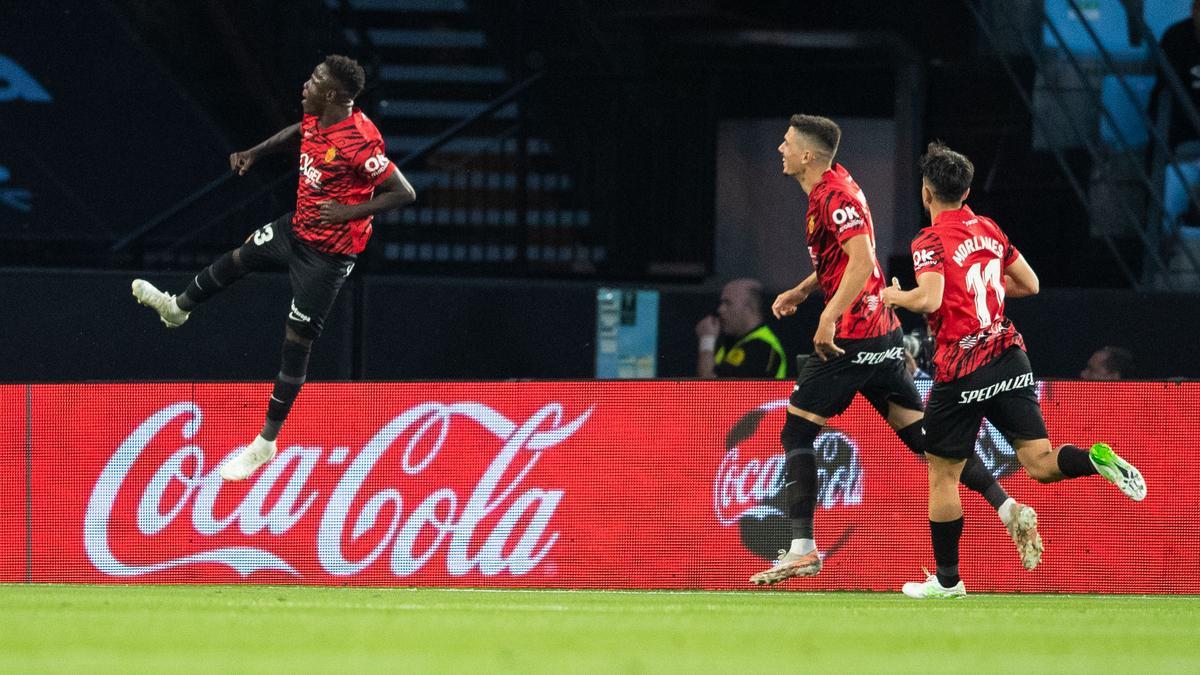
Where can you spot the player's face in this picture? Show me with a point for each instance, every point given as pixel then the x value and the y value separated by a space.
pixel 317 91
pixel 794 152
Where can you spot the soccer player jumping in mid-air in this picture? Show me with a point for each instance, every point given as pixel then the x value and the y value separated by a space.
pixel 859 345
pixel 345 179
pixel 966 267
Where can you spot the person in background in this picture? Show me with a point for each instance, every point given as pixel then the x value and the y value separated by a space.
pixel 1108 363
pixel 737 342
pixel 1181 45
pixel 913 343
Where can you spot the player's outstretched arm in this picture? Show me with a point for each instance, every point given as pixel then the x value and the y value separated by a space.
pixel 286 138
pixel 925 298
pixel 786 302
pixel 1020 280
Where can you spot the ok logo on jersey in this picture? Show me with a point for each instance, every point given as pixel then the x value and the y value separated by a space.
pixel 847 217
pixel 375 164
pixel 923 258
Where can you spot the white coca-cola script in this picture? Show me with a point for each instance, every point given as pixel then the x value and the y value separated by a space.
pixel 420 434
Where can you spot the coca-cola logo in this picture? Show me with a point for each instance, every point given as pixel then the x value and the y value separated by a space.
pixel 748 485
pixel 502 525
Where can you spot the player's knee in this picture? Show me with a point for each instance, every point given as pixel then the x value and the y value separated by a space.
pixel 798 433
pixel 295 360
pixel 944 471
pixel 290 334
pixel 228 268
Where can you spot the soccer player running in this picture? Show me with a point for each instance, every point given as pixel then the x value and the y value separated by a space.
pixel 966 267
pixel 859 345
pixel 345 179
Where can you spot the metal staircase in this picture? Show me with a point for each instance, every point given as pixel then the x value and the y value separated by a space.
pixel 494 196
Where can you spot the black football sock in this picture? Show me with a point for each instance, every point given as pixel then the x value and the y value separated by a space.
pixel 210 281
pixel 976 477
pixel 801 491
pixel 800 473
pixel 1074 462
pixel 287 387
pixel 945 537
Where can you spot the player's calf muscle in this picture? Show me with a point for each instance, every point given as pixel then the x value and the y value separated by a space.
pixel 1039 460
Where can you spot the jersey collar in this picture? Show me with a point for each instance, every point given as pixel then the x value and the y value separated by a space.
pixel 958 215
pixel 354 113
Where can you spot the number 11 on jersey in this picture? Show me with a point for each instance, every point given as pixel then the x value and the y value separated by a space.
pixel 979 279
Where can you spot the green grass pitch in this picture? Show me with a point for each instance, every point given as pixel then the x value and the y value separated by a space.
pixel 153 629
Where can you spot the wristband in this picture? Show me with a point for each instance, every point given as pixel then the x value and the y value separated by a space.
pixel 708 343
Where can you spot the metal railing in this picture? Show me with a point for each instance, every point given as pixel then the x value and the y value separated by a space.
pixel 1146 228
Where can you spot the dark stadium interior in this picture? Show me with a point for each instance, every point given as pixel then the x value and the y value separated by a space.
pixel 598 167
pixel 599 336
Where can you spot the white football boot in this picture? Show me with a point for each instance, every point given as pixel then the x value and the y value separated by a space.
pixel 1119 472
pixel 789 565
pixel 163 303
pixel 931 588
pixel 259 452
pixel 1022 527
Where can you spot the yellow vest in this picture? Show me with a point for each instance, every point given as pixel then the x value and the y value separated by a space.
pixel 735 353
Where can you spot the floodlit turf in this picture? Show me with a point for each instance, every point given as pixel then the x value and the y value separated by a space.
pixel 92 629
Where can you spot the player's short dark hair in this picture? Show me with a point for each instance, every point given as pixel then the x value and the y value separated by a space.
pixel 948 173
pixel 824 131
pixel 347 72
pixel 1118 360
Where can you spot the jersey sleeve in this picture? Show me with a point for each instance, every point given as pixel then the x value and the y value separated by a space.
pixel 372 164
pixel 1010 254
pixel 845 215
pixel 927 253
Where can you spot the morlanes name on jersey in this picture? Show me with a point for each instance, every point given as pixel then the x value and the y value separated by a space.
pixel 977 243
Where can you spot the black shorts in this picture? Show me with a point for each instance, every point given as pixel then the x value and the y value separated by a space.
pixel 1003 391
pixel 872 366
pixel 316 277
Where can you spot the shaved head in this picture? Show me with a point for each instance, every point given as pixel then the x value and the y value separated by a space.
pixel 741 308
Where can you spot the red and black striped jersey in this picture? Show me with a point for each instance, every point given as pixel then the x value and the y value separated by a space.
pixel 343 163
pixel 971 253
pixel 838 212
